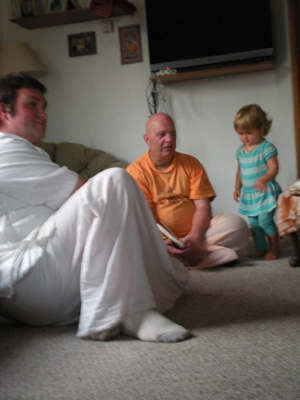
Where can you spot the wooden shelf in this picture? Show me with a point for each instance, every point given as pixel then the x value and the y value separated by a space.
pixel 62 18
pixel 213 72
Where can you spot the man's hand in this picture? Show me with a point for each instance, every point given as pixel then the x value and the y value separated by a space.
pixel 193 243
pixel 189 256
pixel 180 254
pixel 192 254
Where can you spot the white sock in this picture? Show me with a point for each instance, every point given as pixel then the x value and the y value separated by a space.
pixel 106 334
pixel 151 326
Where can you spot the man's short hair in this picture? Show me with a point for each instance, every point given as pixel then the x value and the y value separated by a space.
pixel 11 83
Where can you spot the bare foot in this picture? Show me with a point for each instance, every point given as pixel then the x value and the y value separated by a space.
pixel 272 255
pixel 273 252
pixel 257 254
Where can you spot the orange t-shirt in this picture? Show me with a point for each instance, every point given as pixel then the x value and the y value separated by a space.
pixel 170 193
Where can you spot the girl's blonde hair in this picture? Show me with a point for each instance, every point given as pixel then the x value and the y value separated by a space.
pixel 252 116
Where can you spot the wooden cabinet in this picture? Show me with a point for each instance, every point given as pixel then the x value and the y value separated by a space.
pixel 62 18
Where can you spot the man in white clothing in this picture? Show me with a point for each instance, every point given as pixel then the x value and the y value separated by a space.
pixel 72 250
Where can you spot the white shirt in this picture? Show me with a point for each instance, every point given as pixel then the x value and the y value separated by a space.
pixel 32 187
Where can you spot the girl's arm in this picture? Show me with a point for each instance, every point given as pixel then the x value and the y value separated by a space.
pixel 273 169
pixel 238 184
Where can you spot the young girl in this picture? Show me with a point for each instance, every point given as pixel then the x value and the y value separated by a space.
pixel 255 187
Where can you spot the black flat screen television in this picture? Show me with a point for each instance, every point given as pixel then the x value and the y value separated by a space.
pixel 196 34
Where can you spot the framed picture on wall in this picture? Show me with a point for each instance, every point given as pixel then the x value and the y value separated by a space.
pixel 56 6
pixel 15 8
pixel 26 8
pixel 38 7
pixel 82 44
pixel 130 44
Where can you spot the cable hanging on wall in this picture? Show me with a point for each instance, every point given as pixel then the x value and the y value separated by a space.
pixel 153 96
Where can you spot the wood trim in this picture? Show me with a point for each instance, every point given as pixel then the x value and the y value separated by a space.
pixel 213 72
pixel 294 33
pixel 63 18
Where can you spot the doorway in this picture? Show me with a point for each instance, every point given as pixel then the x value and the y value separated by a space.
pixel 294 33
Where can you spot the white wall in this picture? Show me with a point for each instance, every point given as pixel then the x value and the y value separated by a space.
pixel 99 102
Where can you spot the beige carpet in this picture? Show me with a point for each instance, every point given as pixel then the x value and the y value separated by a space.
pixel 246 346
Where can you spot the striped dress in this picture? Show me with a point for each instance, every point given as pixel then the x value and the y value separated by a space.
pixel 253 166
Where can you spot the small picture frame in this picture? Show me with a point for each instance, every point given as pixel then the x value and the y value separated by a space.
pixel 130 44
pixel 56 6
pixel 26 8
pixel 15 8
pixel 84 3
pixel 38 7
pixel 82 44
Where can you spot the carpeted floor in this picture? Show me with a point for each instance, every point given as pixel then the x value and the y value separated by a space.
pixel 246 346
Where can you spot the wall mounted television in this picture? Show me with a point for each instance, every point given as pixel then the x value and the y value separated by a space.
pixel 199 34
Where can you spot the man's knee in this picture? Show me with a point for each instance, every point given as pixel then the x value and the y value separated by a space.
pixel 111 173
pixel 229 230
pixel 240 223
pixel 114 176
pixel 234 231
pixel 232 222
pixel 111 184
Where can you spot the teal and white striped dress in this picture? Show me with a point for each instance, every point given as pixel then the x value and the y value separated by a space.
pixel 253 166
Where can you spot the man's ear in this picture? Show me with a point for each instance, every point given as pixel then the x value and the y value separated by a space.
pixel 146 138
pixel 4 111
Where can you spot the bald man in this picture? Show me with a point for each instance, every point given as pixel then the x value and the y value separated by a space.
pixel 179 193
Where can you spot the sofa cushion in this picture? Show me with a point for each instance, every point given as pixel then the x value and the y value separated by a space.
pixel 86 161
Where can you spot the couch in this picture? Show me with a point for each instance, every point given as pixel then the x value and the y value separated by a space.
pixel 86 161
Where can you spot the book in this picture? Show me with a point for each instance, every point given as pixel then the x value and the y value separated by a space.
pixel 165 230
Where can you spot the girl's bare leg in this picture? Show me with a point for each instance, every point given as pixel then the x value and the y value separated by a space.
pixel 273 252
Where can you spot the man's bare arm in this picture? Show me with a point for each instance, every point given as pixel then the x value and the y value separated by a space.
pixel 192 240
pixel 80 182
pixel 200 221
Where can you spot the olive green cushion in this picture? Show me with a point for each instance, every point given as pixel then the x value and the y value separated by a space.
pixel 84 160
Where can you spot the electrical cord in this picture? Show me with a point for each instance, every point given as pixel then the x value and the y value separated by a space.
pixel 152 97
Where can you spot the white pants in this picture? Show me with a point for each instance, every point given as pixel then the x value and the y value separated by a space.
pixel 105 261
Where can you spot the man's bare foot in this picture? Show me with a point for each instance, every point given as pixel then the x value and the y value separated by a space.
pixel 257 254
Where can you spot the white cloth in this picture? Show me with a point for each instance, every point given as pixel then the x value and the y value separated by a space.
pixel 32 187
pixel 98 258
pixel 105 261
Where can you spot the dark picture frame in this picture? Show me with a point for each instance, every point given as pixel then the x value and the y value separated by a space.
pixel 130 44
pixel 82 44
pixel 56 6
pixel 26 8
